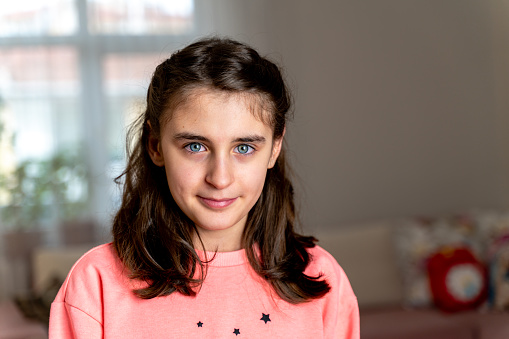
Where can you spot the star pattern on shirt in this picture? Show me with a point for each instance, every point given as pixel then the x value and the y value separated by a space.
pixel 265 317
pixel 236 331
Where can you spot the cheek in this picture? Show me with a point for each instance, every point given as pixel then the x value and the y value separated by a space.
pixel 255 179
pixel 253 176
pixel 181 179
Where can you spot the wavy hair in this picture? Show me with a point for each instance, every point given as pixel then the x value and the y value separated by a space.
pixel 153 237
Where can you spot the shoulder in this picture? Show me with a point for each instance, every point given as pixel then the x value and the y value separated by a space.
pixel 90 272
pixel 84 287
pixel 97 259
pixel 340 308
pixel 322 263
pixel 102 252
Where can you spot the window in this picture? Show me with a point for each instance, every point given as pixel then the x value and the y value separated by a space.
pixel 40 89
pixel 38 18
pixel 73 73
pixel 140 17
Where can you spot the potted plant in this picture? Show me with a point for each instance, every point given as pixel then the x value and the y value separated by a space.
pixel 37 193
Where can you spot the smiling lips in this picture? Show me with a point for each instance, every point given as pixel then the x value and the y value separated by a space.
pixel 217 204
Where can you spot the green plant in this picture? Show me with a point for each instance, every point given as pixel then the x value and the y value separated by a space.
pixel 40 190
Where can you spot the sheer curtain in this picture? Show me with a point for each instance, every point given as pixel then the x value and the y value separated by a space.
pixel 73 74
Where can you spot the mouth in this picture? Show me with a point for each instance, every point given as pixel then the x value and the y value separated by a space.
pixel 217 203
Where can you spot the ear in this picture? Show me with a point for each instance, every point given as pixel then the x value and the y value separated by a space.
pixel 154 148
pixel 276 149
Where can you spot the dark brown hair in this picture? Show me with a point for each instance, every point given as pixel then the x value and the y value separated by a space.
pixel 153 237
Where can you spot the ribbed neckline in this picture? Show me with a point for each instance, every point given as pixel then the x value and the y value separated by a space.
pixel 233 258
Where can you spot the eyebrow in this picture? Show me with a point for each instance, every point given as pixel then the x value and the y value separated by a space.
pixel 189 136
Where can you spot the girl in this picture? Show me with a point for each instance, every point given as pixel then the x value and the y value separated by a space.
pixel 204 243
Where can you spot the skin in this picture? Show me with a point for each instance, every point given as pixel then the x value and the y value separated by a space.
pixel 216 153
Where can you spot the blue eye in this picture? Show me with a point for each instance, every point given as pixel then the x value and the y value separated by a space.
pixel 195 147
pixel 244 149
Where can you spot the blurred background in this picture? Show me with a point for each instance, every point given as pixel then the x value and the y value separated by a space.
pixel 401 109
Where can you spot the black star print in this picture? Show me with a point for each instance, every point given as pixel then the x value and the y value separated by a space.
pixel 265 317
pixel 200 324
pixel 236 331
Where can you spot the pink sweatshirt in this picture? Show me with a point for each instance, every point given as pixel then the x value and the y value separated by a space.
pixel 96 301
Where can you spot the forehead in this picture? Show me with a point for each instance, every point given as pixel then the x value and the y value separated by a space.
pixel 209 110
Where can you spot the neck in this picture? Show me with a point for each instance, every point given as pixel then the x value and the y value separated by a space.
pixel 220 238
pixel 227 240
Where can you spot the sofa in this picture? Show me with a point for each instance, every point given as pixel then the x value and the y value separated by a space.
pixel 368 254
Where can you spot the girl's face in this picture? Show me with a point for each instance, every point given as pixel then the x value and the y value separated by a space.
pixel 216 154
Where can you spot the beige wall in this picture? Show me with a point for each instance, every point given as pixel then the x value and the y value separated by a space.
pixel 499 23
pixel 401 106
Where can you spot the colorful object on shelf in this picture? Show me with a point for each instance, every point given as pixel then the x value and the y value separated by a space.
pixel 417 239
pixel 457 279
pixel 499 274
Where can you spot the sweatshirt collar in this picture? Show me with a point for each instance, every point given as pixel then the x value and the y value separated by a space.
pixel 219 259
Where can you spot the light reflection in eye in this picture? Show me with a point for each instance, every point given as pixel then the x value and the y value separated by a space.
pixel 195 147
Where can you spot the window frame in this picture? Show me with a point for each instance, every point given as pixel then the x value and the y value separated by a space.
pixel 91 50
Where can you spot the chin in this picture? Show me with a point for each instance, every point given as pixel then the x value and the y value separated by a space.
pixel 217 223
pixel 208 226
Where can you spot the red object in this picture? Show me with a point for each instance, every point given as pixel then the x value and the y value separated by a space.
pixel 457 279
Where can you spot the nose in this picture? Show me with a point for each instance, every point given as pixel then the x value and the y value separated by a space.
pixel 220 172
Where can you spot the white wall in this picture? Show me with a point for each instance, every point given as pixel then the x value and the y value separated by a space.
pixel 400 105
